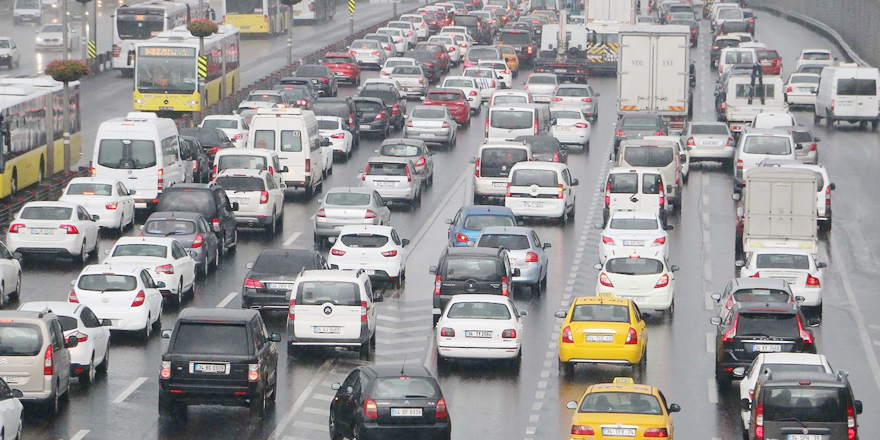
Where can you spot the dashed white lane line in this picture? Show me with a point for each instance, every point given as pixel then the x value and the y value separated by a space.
pixel 292 238
pixel 128 391
pixel 81 434
pixel 710 343
pixel 713 391
pixel 301 400
pixel 227 300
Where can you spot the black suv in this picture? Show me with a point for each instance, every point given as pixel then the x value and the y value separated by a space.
pixel 321 76
pixel 636 126
pixel 395 104
pixel 522 42
pixel 471 270
pixel 212 139
pixel 754 328
pixel 477 28
pixel 270 278
pixel 208 199
pixel 378 402
pixel 218 357
pixel 427 62
pixel 372 116
pixel 343 108
pixel 808 404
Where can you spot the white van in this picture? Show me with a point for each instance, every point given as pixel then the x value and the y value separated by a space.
pixel 293 134
pixel 636 189
pixel 27 10
pixel 142 151
pixel 848 92
pixel 492 165
pixel 662 156
pixel 506 122
pixel 249 159
pixel 541 189
pixel 736 55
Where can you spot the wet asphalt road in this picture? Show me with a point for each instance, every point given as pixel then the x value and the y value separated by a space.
pixel 485 400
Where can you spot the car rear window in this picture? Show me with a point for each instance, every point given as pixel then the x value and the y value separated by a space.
pixel 638 123
pixel 730 14
pixel 793 368
pixel 477 222
pixel 259 97
pixel 542 80
pixel 566 114
pixel 347 199
pixel 20 340
pixel 324 108
pixel 634 266
pixel 762 295
pixel 771 145
pixel 709 129
pixel 405 387
pixel 767 53
pixel 512 119
pixel 508 241
pixel 804 79
pixel 140 250
pixel 100 282
pixel 406 70
pixel 188 200
pixel 782 261
pixel 291 262
pixel 600 313
pixel 856 87
pixel 310 293
pixel 387 96
pixel 90 189
pixel 478 310
pixel 196 337
pixel 324 124
pixel 170 227
pixel 496 162
pixel 46 213
pixel 369 107
pixel 515 38
pixel 541 178
pixel 386 169
pixel 624 183
pixel 783 325
pixel 805 404
pixel 540 144
pixel 572 91
pixel 509 99
pixel 482 53
pixel 241 162
pixel 745 90
pixel 634 224
pixel 311 70
pixel 447 96
pixel 429 113
pixel 655 157
pixel 464 20
pixel 817 56
pixel 621 403
pixel 220 123
pixel 337 60
pixel 364 240
pixel 400 150
pixel 234 183
pixel 458 82
pixel 479 269
pixel 126 154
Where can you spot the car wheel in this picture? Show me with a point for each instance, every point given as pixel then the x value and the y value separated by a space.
pixel 14 294
pixel 234 241
pixel 53 405
pixel 319 241
pixel 516 362
pixel 373 341
pixel 669 314
pixel 829 121
pixel 88 377
pixel 258 405
pixel 105 364
pixel 365 350
pixel 83 257
pixel 216 260
pixel 571 213
pixel 144 334
pixel 203 272
pixel 722 381
pixel 2 296
pixel 272 226
pixel 334 430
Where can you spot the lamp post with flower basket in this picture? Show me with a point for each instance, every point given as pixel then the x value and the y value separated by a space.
pixel 290 4
pixel 65 71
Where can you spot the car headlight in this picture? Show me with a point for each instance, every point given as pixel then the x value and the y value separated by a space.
pixel 39 39
pixel 5 55
pixel 140 101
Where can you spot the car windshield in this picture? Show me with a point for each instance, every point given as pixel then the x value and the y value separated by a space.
pixel 284 262
pixel 478 310
pixel 648 156
pixel 241 162
pixel 170 227
pixel 762 295
pixel 511 119
pixel 20 340
pixel 324 124
pixel 364 240
pixel 600 313
pixel 347 199
pixel 782 261
pixel 541 178
pixel 480 221
pixel 343 293
pixel 196 337
pixel 634 266
pixel 400 150
pixel 241 183
pixel 771 145
pixel 5 44
pixel 101 282
pixel 90 189
pixel 428 113
pixel 621 403
pixel 46 213
pixel 404 387
pixel 781 325
pixel 126 154
pixel 709 129
pixel 140 250
pixel 634 224
pixel 511 242
pixel 806 404
pixel 638 123
pixel 220 123
pixel 566 114
pixel 462 269
pixel 386 169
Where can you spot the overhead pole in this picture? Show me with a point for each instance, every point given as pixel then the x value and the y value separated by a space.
pixel 65 42
pixel 351 8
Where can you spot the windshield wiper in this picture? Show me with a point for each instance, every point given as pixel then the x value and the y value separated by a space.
pixel 174 233
pixel 415 396
pixel 792 419
pixel 757 334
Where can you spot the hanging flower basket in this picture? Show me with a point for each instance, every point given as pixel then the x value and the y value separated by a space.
pixel 83 1
pixel 67 71
pixel 202 28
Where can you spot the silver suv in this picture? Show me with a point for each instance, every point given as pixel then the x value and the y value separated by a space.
pixel 395 179
pixel 34 357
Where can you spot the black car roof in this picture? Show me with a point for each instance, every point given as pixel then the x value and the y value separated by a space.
pixel 452 252
pixel 200 186
pixel 174 214
pixel 285 252
pixel 214 314
pixel 394 370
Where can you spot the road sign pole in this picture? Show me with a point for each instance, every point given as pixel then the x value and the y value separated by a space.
pixel 93 33
pixel 351 8
pixel 290 39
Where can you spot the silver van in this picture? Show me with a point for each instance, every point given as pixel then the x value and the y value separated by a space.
pixel 506 122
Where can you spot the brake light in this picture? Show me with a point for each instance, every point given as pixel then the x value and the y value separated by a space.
pixel 350 121
pixel 409 124
pixel 370 214
pixel 308 166
pixel 508 334
pixel 445 125
pixel 366 170
pixel 827 196
pixel 116 50
pixel 379 116
pixel 535 122
pixel 566 335
pixel 408 174
pixel 656 433
pixel 447 332
pixel 812 281
pixel 759 421
pixel 850 422
pixel 530 49
pixel 487 125
pixel 477 168
pixel 166 269
pixel 253 284
pixel 582 430
pixel 139 299
pixel 658 133
pixel 832 105
pixel 351 52
pixel 461 238
pixel 49 361
pixel 389 253
pixel 723 105
pixel 581 125
pixel 690 142
pixel 440 410
pixel 662 282
pixel 395 110
pixel 214 169
pixel 253 372
pixel 363 311
pixel 505 286
pixel 659 242
pixel 804 334
pixel 730 334
pixel 264 197
pixel 337 252
pixel 756 275
pixel 437 284
pixel 557 99
pixel 604 280
pixel 608 240
pixel 291 307
pixel 338 136
pixel 714 47
pixel 632 337
pixel 71 297
pixel 16 226
pixel 198 241
pixel 371 411
pixel 620 133
pixel 165 373
pixel 161 180
pixel 739 164
pixel 729 140
pixel 111 206
pixel 71 229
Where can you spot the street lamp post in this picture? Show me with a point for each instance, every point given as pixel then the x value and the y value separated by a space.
pixel 290 4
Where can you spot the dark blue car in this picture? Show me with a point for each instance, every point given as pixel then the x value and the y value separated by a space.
pixel 470 220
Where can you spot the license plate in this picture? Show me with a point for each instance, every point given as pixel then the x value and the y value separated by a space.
pixel 562 128
pixel 42 231
pixel 10 379
pixel 499 184
pixel 406 412
pixel 384 184
pixel 767 348
pixel 560 71
pixel 241 201
pixel 327 330
pixel 477 334
pixel 805 89
pixel 209 368
pixel 633 243
pixel 619 432
pixel 244 28
pixel 424 135
pixel 370 271
pixel 712 144
pixel 600 338
pixel 533 205
pixel 365 127
pixel 166 109
pixel 637 298
pixel 281 286
pixel 804 437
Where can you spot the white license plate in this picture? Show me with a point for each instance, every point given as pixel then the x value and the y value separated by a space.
pixel 384 184
pixel 533 204
pixel 619 432
pixel 241 201
pixel 424 135
pixel 562 128
pixel 600 338
pixel 42 231
pixel 767 348
pixel 281 286
pixel 499 184
pixel 711 144
pixel 327 330
pixel 804 437
pixel 166 109
pixel 805 89
pixel 10 379
pixel 406 412
pixel 477 334
pixel 633 243
pixel 637 299
pixel 209 368
pixel 561 71
pixel 365 127
pixel 370 271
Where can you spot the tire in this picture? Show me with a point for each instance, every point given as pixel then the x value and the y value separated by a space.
pixel 723 382
pixel 83 255
pixel 216 263
pixel 53 405
pixel 816 118
pixel 823 226
pixel 258 405
pixel 566 369
pixel 319 241
pixel 2 296
pixel 334 430
pixel 88 377
pixel 516 363
pixel 15 294
pixel 373 341
pixel 144 335
pixel 178 298
pixel 105 364
pixel 203 273
pixel 364 350
pixel 223 248
pixel 829 121
pixel 571 213
pixel 669 314
pixel 875 124
pixel 272 227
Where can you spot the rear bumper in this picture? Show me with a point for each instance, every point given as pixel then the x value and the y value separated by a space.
pixel 253 220
pixel 255 300
pixel 429 136
pixel 552 208
pixel 374 431
pixel 449 351
pixel 620 355
pixel 295 340
pixel 208 394
pixel 530 273
pixel 486 187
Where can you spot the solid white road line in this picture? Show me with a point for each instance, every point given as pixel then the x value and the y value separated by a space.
pixel 128 391
pixel 227 300
pixel 859 319
pixel 710 343
pixel 80 435
pixel 291 239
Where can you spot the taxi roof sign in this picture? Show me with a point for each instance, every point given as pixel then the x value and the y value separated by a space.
pixel 605 295
pixel 624 380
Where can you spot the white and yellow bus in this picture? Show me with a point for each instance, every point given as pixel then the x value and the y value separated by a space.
pixel 257 17
pixel 313 11
pixel 166 70
pixel 31 116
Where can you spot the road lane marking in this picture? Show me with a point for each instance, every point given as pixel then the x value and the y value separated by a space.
pixel 713 391
pixel 427 225
pixel 292 238
pixel 859 320
pixel 710 343
pixel 128 391
pixel 227 300
pixel 80 435
pixel 301 400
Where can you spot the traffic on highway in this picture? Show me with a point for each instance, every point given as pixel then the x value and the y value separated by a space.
pixel 472 219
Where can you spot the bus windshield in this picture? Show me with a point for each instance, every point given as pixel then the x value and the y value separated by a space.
pixel 244 7
pixel 166 70
pixel 129 27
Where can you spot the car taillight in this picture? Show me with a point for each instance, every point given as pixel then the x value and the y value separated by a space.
pixel 337 252
pixel 730 334
pixel 804 334
pixel 557 99
pixel 13 228
pixel 508 334
pixel 620 133
pixel 447 332
pixel 608 240
pixel 582 430
pixel 690 142
pixel 160 182
pixel 350 121
pixel 445 125
pixel 264 197
pixel 440 410
pixel 198 241
pixel 604 280
pixel 49 361
pixel 71 297
pixel 739 164
pixel 556 159
pixel 788 90
pixel 71 229
pixel 461 238
pixel 566 335
pixel 371 411
pixel 389 253
pixel 729 140
pixel 409 124
pixel 694 31
pixel 351 52
pixel 165 268
pixel 632 337
pixel 379 116
pixel 656 433
pixel 756 275
pixel 827 196
pixel 214 169
pixel 165 373
pixel 832 105
pixel 111 206
pixel 526 88
pixel 582 125
pixel 376 53
pixel 195 164
pixel 308 168
pixel 437 285
pixel 369 214
pixel 535 122
pixel 812 281
pixel 714 47
pixel 759 420
pixel 531 257
pixel 530 49
pixel 253 284
pixel 663 281
pixel 850 422
pixel 723 105
pixel 364 174
pixel 139 299
pixel 658 133
pixel 477 168
pixel 363 311
pixel 395 110
pixel 408 174
pixel 116 50
pixel 505 286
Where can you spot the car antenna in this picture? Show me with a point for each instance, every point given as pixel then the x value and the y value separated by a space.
pixel 402 367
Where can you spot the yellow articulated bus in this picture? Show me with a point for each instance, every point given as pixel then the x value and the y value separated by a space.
pixel 257 17
pixel 167 70
pixel 32 116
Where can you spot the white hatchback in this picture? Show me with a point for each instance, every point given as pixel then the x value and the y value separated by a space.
pixel 480 327
pixel 633 232
pixel 541 189
pixel 235 127
pixel 107 198
pixel 376 249
pixel 572 127
pixel 647 280
pixel 335 129
pixel 805 276
pixel 54 228
pixel 171 264
pixel 260 200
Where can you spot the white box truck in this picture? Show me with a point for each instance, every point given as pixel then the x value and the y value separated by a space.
pixel 619 11
pixel 653 73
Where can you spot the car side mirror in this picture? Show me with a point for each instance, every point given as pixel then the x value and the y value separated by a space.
pixel 361 171
pixel 560 314
pixel 517 272
pixel 832 186
pixel 674 408
pixel 193 254
pixel 335 386
pixel 249 265
pixel 736 197
pixel 72 342
pixel 275 337
pixel 716 297
pixel 95 218
pixel 739 372
pixel 799 299
pixel 858 406
pixel 285 169
pixel 821 265
pixel 216 226
pixel 376 151
pixel 141 227
pixel 546 246
pixel 432 270
pixel 523 313
pixel 670 227
pixel 16 256
pixel 574 182
pixel 132 192
pixel 166 334
pixel 739 263
pixel 106 251
pixel 378 298
pixel 745 404
pixel 597 95
pixel 473 160
pixel 597 266
pixel 405 242
pixel 17 394
pixel 571 405
pixel 675 268
pixel 160 284
pixel 448 221
pixel 816 139
pixel 715 320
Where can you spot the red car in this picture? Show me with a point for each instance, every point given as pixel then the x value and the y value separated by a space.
pixel 770 61
pixel 454 100
pixel 439 52
pixel 344 66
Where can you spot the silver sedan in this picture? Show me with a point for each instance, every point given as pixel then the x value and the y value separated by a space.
pixel 525 250
pixel 709 141
pixel 431 124
pixel 416 151
pixel 349 206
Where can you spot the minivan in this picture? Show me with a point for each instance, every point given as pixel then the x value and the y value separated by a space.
pixel 467 270
pixel 636 189
pixel 662 156
pixel 293 134
pixel 492 166
pixel 27 10
pixel 848 92
pixel 541 189
pixel 249 159
pixel 141 150
pixel 506 122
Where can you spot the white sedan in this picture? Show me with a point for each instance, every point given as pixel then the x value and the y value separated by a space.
pixel 376 249
pixel 54 228
pixel 480 327
pixel 11 410
pixel 452 48
pixel 123 293
pixel 572 127
pixel 633 232
pixel 235 127
pixel 501 69
pixel 401 42
pixel 107 198
pixel 10 275
pixel 647 280
pixel 393 62
pixel 92 353
pixel 798 267
pixel 335 129
pixel 170 261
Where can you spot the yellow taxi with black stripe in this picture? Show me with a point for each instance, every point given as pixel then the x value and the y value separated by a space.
pixel 622 410
pixel 602 330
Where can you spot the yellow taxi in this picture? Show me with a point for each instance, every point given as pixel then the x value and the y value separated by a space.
pixel 621 409
pixel 509 54
pixel 602 330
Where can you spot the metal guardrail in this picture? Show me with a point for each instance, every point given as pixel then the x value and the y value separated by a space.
pixel 50 190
